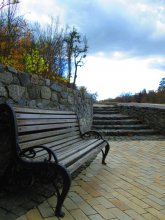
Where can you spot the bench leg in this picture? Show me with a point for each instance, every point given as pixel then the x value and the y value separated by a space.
pixel 66 182
pixel 107 147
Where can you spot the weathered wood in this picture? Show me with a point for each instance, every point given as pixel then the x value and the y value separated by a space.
pixel 48 139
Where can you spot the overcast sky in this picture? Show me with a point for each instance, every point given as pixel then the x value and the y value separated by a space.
pixel 126 41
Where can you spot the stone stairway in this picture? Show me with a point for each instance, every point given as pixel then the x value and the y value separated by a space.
pixel 110 122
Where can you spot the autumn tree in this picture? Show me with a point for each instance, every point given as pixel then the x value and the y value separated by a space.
pixel 14 36
pixel 50 41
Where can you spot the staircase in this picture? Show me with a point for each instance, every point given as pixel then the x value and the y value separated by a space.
pixel 110 122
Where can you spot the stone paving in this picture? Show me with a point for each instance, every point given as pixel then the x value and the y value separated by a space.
pixel 130 186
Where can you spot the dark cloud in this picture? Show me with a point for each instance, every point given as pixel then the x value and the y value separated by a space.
pixel 130 27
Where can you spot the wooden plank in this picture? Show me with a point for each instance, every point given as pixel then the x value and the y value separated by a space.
pixel 81 145
pixel 45 127
pixel 33 136
pixel 79 154
pixel 77 164
pixel 46 116
pixel 43 141
pixel 51 141
pixel 69 144
pixel 65 153
pixel 60 142
pixel 44 121
pixel 41 111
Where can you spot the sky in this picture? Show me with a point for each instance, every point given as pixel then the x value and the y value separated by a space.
pixel 126 40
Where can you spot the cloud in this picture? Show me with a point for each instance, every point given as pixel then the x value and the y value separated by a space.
pixel 158 63
pixel 134 27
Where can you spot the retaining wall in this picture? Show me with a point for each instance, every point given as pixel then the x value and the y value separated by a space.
pixel 23 89
pixel 152 114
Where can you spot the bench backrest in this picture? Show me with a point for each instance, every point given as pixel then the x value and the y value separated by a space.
pixel 45 127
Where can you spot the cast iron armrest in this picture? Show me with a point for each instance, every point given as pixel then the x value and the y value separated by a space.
pixel 92 133
pixel 31 153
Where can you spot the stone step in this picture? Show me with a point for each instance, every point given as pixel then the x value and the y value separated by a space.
pixel 116 122
pixel 106 112
pixel 127 132
pixel 121 127
pixel 109 121
pixel 110 117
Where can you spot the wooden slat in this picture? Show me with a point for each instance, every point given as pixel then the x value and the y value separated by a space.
pixel 67 145
pixel 74 166
pixel 60 142
pixel 44 121
pixel 78 154
pixel 39 116
pixel 43 141
pixel 28 137
pixel 45 127
pixel 57 130
pixel 70 151
pixel 41 111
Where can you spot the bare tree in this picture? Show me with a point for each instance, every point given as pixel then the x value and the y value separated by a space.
pixel 76 52
pixel 8 2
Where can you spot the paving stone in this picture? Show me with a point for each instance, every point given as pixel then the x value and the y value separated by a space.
pixel 78 214
pixel 75 197
pixel 86 208
pixel 139 202
pixel 156 213
pixel 96 217
pixel 52 201
pixel 156 200
pixel 45 210
pixel 52 218
pixel 105 213
pixel 120 204
pixel 148 216
pixel 134 215
pixel 119 214
pixel 103 192
pixel 34 214
pixel 69 204
pixel 23 217
pixel 103 201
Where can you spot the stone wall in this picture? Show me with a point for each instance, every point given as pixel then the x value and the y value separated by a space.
pixel 24 89
pixel 152 114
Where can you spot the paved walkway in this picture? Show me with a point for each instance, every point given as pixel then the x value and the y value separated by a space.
pixel 131 186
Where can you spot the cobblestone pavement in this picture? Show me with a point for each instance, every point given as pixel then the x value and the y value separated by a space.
pixel 130 186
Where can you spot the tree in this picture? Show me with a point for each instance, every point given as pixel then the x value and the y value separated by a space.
pixel 51 44
pixel 76 52
pixel 79 54
pixel 8 2
pixel 14 36
pixel 162 84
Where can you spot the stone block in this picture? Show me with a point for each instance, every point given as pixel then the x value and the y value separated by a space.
pixel 45 92
pixel 54 97
pixel 6 77
pixel 55 87
pixel 16 92
pixel 34 92
pixel 3 92
pixel 2 69
pixel 34 79
pixel 24 79
pixel 12 69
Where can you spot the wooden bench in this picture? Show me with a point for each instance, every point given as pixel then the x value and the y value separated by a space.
pixel 47 145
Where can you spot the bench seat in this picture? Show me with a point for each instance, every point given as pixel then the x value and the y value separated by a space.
pixel 48 139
